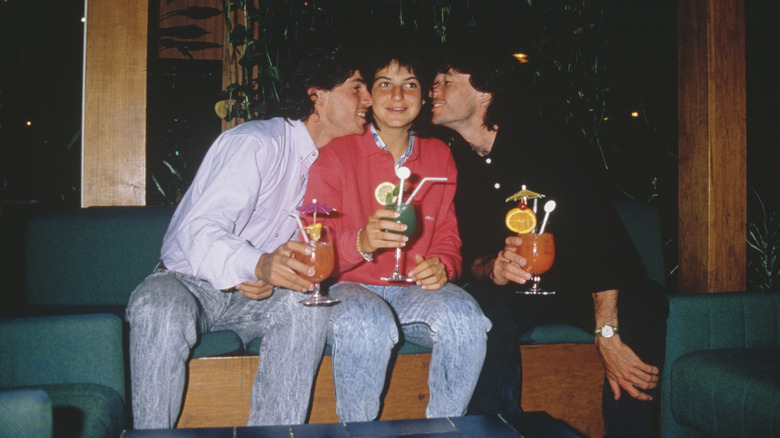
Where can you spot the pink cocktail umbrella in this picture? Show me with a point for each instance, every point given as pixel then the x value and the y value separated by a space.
pixel 314 208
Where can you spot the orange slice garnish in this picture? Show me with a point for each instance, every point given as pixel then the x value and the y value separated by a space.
pixel 521 221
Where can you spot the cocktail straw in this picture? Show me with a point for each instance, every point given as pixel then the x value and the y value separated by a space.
pixel 409 199
pixel 401 191
pixel 300 226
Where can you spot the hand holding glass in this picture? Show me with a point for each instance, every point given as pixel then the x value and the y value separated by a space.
pixel 322 258
pixel 538 249
pixel 409 218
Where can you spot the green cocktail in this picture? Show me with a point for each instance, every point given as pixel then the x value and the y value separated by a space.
pixel 408 217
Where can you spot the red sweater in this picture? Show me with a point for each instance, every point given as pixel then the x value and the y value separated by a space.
pixel 344 177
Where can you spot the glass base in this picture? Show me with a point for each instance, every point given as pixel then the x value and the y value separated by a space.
pixel 535 289
pixel 398 278
pixel 319 300
pixel 535 292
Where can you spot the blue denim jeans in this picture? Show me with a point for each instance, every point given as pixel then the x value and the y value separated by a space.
pixel 364 328
pixel 169 310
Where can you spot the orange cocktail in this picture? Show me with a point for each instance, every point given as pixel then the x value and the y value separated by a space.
pixel 322 258
pixel 539 251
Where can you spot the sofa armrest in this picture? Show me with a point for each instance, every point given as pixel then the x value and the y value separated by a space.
pixel 712 321
pixel 62 349
pixel 25 413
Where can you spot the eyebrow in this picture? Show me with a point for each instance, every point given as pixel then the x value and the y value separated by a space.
pixel 415 78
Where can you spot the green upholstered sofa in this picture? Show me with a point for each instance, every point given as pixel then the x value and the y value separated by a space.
pixel 721 376
pixel 62 375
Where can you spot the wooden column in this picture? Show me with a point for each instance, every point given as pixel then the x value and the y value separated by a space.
pixel 712 142
pixel 114 131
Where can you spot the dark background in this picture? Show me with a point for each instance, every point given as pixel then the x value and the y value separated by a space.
pixel 41 45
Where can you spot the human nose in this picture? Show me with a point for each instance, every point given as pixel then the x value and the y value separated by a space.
pixel 365 98
pixel 397 93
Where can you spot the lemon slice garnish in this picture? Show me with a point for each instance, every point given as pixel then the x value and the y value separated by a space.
pixel 382 190
pixel 521 221
pixel 314 231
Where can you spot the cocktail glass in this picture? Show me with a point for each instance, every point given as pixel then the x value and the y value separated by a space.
pixel 322 258
pixel 539 251
pixel 409 218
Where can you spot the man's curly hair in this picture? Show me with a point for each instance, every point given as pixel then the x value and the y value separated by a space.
pixel 324 66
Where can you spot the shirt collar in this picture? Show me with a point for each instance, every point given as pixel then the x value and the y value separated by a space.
pixel 381 144
pixel 304 145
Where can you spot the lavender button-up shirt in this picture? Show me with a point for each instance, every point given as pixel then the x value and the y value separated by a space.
pixel 235 209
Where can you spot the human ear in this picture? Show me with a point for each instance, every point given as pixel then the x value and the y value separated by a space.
pixel 314 93
pixel 485 99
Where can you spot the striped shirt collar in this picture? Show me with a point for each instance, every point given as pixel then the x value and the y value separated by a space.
pixel 381 144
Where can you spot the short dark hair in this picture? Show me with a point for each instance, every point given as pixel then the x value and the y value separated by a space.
pixel 324 65
pixel 410 50
pixel 493 69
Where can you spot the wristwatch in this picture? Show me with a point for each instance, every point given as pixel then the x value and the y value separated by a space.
pixel 606 331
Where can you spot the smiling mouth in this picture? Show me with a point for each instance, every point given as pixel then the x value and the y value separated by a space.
pixel 361 114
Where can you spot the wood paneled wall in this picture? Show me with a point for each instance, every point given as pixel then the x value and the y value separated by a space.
pixel 114 125
pixel 712 143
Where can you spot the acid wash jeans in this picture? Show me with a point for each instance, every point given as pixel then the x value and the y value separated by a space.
pixel 364 328
pixel 169 310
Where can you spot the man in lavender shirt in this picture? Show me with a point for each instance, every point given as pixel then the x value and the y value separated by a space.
pixel 227 255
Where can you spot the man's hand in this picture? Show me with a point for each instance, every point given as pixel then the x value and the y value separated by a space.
pixel 256 290
pixel 430 274
pixel 625 369
pixel 375 234
pixel 279 268
pixel 508 265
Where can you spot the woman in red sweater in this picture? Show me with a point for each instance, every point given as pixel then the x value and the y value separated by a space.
pixel 430 311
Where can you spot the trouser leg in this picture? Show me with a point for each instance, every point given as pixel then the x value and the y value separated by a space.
pixel 449 321
pixel 643 328
pixel 163 317
pixel 500 382
pixel 362 332
pixel 290 352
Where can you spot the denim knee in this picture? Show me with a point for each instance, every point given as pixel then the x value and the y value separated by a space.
pixel 362 317
pixel 460 313
pixel 163 302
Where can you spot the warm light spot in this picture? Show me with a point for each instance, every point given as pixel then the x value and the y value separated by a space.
pixel 29 123
pixel 635 114
pixel 606 118
pixel 522 57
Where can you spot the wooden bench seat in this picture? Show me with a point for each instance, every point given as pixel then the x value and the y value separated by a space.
pixel 564 380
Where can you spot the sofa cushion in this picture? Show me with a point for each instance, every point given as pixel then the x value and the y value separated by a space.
pixel 92 256
pixel 556 334
pixel 728 392
pixel 25 413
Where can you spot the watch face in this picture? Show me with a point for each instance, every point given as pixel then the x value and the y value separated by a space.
pixel 607 331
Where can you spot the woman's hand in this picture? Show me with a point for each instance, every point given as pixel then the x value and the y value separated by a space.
pixel 375 234
pixel 430 274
